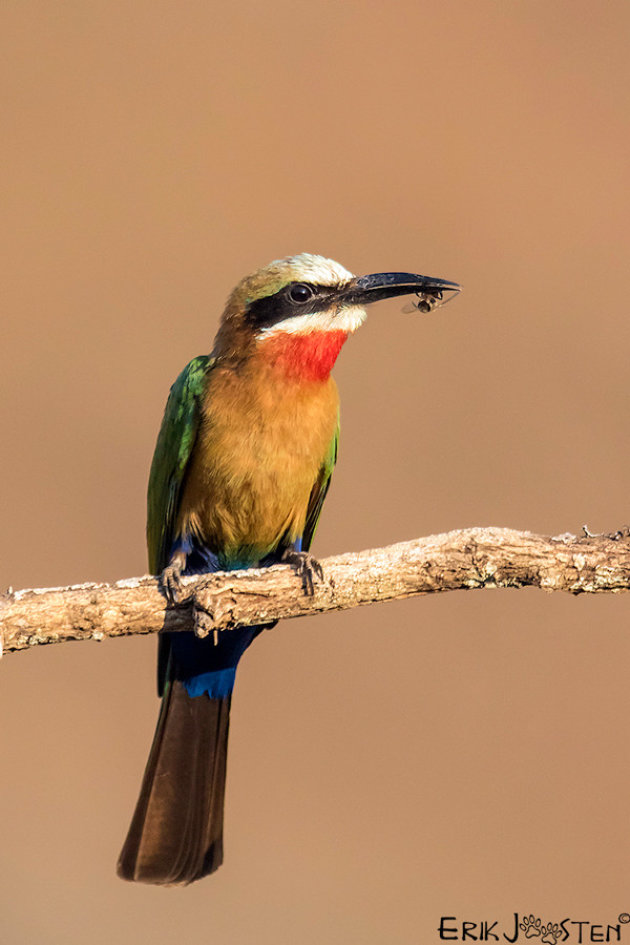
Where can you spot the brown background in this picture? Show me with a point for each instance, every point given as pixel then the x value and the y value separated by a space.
pixel 466 755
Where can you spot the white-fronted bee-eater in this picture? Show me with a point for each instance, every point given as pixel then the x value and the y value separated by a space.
pixel 241 469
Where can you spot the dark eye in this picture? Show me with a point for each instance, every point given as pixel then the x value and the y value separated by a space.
pixel 300 292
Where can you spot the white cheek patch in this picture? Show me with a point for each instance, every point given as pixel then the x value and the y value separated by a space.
pixel 348 319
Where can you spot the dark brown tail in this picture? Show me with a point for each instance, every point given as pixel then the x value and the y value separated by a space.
pixel 176 834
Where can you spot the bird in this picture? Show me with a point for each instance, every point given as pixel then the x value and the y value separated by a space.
pixel 242 465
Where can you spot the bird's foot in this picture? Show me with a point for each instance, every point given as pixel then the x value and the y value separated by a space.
pixel 307 566
pixel 171 577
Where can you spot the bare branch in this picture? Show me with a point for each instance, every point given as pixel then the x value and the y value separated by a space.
pixel 460 560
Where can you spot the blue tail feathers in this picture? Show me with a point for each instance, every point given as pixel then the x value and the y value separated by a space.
pixel 201 664
pixel 204 666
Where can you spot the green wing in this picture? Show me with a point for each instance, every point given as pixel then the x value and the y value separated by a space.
pixel 319 490
pixel 172 452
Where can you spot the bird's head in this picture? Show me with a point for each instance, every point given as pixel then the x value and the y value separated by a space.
pixel 302 300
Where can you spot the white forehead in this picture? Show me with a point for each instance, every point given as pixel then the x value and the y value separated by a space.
pixel 307 267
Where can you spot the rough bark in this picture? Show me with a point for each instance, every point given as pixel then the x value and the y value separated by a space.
pixel 460 560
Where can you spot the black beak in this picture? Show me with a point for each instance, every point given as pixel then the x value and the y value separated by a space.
pixel 387 285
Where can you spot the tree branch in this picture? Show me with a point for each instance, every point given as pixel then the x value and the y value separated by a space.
pixel 460 560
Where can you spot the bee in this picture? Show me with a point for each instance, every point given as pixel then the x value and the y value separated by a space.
pixel 426 302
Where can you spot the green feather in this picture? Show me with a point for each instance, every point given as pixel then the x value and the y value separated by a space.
pixel 172 452
pixel 319 491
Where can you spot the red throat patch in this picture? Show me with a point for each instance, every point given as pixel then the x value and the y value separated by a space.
pixel 309 356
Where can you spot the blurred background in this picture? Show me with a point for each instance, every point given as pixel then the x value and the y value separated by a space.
pixel 464 755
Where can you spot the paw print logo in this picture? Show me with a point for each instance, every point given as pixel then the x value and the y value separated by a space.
pixel 532 927
pixel 551 933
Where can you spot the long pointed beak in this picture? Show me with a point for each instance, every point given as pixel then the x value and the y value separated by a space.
pixel 386 285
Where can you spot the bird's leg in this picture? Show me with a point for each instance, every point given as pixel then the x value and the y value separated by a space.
pixel 307 566
pixel 170 578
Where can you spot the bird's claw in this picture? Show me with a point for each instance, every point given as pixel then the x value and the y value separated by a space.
pixel 307 566
pixel 170 584
pixel 171 578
